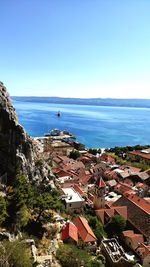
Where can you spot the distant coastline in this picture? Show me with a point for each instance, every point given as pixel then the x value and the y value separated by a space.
pixel 113 102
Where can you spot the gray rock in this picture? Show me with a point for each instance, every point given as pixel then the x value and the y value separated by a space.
pixel 16 146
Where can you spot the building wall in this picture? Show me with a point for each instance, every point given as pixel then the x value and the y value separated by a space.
pixel 121 262
pixel 129 243
pixel 74 206
pixel 146 261
pixel 99 202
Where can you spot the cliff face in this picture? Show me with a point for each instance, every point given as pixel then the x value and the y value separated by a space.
pixel 16 148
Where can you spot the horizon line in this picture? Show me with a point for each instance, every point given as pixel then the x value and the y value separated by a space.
pixel 83 98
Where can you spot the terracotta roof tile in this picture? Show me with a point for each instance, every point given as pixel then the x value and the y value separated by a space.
pixel 69 230
pixel 111 211
pixel 140 202
pixel 100 182
pixel 144 250
pixel 78 189
pixel 140 154
pixel 138 212
pixel 84 229
pixel 135 238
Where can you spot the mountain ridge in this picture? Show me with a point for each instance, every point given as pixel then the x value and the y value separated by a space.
pixel 139 103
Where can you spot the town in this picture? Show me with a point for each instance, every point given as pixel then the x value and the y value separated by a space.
pixel 107 204
pixel 63 204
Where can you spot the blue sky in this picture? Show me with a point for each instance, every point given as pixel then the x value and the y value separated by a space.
pixel 76 48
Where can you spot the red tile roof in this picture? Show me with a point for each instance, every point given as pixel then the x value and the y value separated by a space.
pixel 100 182
pixel 78 189
pixel 107 158
pixel 135 238
pixel 91 197
pixel 111 211
pixel 67 184
pixel 69 230
pixel 84 159
pixel 138 212
pixel 131 168
pixel 144 250
pixel 140 202
pixel 83 179
pixel 140 154
pixel 84 230
pixel 123 187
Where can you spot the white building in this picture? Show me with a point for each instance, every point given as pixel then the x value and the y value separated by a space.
pixel 73 200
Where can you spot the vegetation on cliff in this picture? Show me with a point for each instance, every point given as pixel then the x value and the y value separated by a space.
pixel 70 255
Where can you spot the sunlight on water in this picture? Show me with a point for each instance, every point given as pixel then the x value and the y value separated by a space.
pixel 95 126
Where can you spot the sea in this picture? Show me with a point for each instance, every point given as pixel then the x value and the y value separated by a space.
pixel 97 126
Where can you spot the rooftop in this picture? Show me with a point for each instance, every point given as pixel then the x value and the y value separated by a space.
pixel 84 229
pixel 106 214
pixel 140 202
pixel 144 155
pixel 69 230
pixel 135 238
pixel 138 212
pixel 143 250
pixel 72 195
pixel 100 182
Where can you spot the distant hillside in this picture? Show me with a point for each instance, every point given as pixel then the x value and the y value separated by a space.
pixel 142 103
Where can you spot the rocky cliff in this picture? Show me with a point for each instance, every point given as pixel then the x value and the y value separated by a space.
pixel 16 147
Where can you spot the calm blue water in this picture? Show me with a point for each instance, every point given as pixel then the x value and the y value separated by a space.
pixel 94 126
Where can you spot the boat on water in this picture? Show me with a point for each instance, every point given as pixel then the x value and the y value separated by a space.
pixel 58 114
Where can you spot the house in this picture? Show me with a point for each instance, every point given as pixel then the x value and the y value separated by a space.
pixel 78 189
pixel 99 169
pixel 111 183
pixel 107 158
pixel 106 214
pixel 73 200
pixel 138 155
pixel 84 176
pixel 69 233
pixel 61 147
pixel 114 253
pixel 138 210
pixel 85 231
pixel 144 252
pixel 131 239
pixel 110 174
pixel 121 188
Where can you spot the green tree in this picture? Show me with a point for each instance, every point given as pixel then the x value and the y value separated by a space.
pixel 97 227
pixel 43 202
pixel 74 154
pixel 3 212
pixel 23 216
pixel 14 254
pixel 70 255
pixel 96 263
pixel 46 201
pixel 94 151
pixel 116 225
pixel 20 200
pixel 23 192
